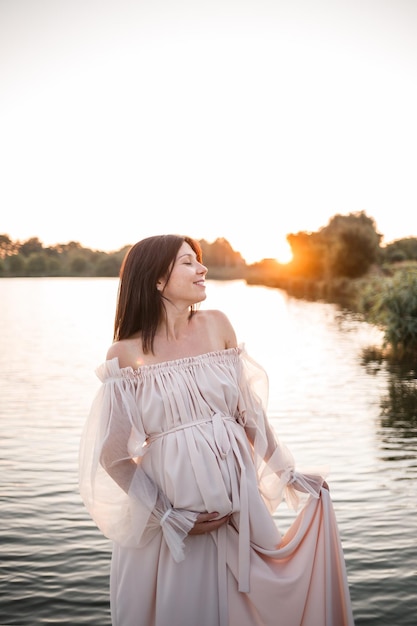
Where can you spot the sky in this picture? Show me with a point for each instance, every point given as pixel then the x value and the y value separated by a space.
pixel 247 120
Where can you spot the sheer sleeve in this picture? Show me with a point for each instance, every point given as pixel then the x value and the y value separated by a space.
pixel 277 477
pixel 123 501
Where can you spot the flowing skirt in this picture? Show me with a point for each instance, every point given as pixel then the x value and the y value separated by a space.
pixel 302 583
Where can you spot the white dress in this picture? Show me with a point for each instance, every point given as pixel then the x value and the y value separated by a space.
pixel 164 442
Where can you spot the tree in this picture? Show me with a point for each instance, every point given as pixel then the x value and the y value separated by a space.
pixel 36 265
pixel 78 265
pixel 30 246
pixel 309 254
pixel 108 265
pixel 15 265
pixel 220 254
pixel 400 250
pixel 7 246
pixel 352 244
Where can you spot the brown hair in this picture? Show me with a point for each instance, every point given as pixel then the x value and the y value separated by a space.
pixel 140 305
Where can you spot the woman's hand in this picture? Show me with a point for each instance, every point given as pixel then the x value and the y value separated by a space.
pixel 207 522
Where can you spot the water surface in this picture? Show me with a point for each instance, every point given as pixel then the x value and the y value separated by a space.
pixel 328 407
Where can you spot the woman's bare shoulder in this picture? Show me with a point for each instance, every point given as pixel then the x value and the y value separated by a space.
pixel 214 316
pixel 127 351
pixel 219 324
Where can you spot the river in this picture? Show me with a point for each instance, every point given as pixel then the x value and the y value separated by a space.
pixel 327 403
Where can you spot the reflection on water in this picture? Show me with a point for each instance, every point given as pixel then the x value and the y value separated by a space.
pixel 399 404
pixel 398 408
pixel 329 404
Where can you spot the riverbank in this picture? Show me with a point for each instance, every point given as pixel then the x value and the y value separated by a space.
pixel 385 296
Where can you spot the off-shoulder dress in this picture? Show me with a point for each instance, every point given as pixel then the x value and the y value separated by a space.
pixel 166 441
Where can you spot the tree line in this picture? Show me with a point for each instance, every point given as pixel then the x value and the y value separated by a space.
pixel 342 262
pixel 347 247
pixel 31 258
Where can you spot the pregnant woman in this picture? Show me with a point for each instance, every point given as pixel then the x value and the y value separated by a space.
pixel 180 468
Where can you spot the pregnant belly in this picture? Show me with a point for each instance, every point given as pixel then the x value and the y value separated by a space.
pixel 188 467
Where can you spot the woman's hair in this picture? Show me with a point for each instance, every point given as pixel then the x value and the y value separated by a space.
pixel 140 306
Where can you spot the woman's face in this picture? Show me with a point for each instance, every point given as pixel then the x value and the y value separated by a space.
pixel 186 283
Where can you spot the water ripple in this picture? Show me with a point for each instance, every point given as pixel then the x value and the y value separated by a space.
pixel 324 404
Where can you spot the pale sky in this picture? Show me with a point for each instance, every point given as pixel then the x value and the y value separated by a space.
pixel 244 119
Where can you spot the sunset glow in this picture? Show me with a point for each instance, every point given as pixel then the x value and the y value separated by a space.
pixel 247 121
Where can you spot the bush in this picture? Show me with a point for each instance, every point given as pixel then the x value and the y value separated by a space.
pixel 394 307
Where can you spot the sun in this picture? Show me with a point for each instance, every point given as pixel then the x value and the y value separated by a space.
pixel 278 250
pixel 284 253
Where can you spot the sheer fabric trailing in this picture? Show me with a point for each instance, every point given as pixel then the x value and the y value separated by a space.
pixel 165 442
pixel 124 502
